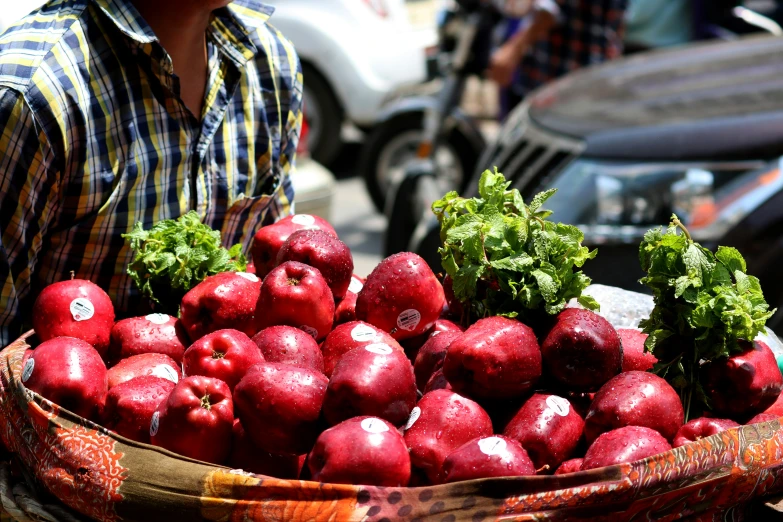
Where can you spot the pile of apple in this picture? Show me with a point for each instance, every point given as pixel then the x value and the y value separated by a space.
pixel 314 373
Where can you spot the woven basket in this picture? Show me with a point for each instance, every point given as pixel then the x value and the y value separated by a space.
pixel 103 476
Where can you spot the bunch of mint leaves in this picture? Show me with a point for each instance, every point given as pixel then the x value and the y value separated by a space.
pixel 175 255
pixel 704 304
pixel 505 258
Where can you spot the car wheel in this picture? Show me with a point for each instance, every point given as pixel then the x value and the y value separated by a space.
pixel 391 148
pixel 324 116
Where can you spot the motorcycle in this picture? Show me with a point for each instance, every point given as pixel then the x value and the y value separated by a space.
pixel 426 145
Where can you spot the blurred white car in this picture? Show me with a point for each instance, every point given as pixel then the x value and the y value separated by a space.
pixel 13 10
pixel 356 55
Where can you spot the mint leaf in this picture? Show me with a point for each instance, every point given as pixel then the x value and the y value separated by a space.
pixel 505 257
pixel 705 303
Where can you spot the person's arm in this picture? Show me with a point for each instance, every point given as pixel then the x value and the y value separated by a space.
pixel 28 192
pixel 506 59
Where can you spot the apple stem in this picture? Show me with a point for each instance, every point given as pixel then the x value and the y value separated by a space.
pixel 543 468
pixel 72 275
pixel 205 402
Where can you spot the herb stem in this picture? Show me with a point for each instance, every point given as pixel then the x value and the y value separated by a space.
pixel 679 225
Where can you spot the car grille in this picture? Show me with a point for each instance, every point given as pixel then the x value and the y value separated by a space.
pixel 526 154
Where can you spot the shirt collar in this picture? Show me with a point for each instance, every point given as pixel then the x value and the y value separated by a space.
pixel 231 26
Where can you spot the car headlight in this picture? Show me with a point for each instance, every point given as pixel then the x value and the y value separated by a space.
pixel 617 202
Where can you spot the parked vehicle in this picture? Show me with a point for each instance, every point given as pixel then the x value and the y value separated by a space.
pixel 430 133
pixel 357 55
pixel 695 131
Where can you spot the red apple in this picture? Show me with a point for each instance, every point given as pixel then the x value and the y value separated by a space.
pixel 440 423
pixel 297 295
pixel 634 356
pixel 195 420
pixel 414 344
pixel 549 429
pixel 70 373
pixel 225 300
pixel 484 457
pixel 269 239
pixel 289 345
pixel 131 404
pixel 153 333
pixel 225 354
pixel 74 308
pixel 582 350
pixel 246 456
pixel 762 417
pixel 401 296
pixel 696 429
pixel 437 381
pixel 496 358
pixel 280 405
pixel 155 364
pixel 372 380
pixel 323 251
pixel 346 309
pixel 348 336
pixel 431 355
pixel 623 445
pixel 744 384
pixel 455 308
pixel 362 450
pixel 776 408
pixel 570 466
pixel 635 399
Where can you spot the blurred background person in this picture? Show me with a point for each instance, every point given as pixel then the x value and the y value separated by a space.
pixel 552 39
pixel 657 23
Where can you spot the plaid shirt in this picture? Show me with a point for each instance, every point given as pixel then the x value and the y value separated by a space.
pixel 94 137
pixel 589 32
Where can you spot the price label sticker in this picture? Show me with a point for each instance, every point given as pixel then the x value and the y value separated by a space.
pixel 309 329
pixel 415 414
pixel 409 319
pixel 154 424
pixel 492 446
pixel 157 318
pixel 167 372
pixel 379 348
pixel 362 333
pixel 306 220
pixel 374 425
pixel 355 286
pixel 82 309
pixel 558 405
pixel 250 277
pixel 28 369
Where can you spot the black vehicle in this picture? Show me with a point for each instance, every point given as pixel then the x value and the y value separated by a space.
pixel 696 131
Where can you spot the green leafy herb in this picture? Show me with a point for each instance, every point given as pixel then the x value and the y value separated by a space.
pixel 505 258
pixel 704 304
pixel 175 255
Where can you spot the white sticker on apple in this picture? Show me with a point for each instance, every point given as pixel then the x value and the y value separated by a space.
pixel 305 220
pixel 82 309
pixel 309 329
pixel 355 286
pixel 374 425
pixel 157 318
pixel 250 277
pixel 379 348
pixel 415 414
pixel 167 372
pixel 28 369
pixel 154 424
pixel 558 405
pixel 492 446
pixel 363 332
pixel 408 319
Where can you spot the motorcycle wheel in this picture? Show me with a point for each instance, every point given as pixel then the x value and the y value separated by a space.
pixel 391 147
